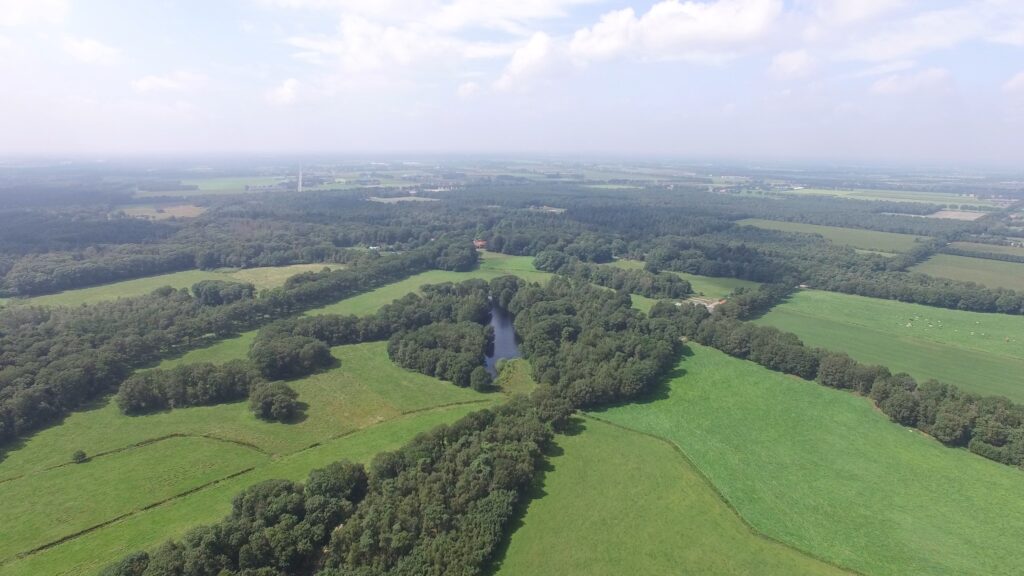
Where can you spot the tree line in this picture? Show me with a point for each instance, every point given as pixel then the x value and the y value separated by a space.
pixel 633 281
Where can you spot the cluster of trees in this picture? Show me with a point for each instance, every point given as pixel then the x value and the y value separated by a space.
pixel 201 384
pixel 274 401
pixel 219 292
pixel 56 271
pixel 449 351
pixel 992 427
pixel 633 281
pixel 275 527
pixel 289 356
pixel 53 360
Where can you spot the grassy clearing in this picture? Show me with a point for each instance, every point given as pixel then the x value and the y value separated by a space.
pixel 823 471
pixel 147 529
pixel 366 389
pixel 617 502
pixel 491 266
pixel 265 277
pixel 853 237
pixel 515 377
pixel 982 353
pixel 79 496
pixel 219 185
pixel 990 248
pixel 707 286
pixel 991 273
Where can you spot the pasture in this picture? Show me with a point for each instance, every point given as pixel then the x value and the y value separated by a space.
pixel 265 277
pixel 492 265
pixel 981 353
pixel 991 273
pixel 823 471
pixel 149 459
pixel 217 185
pixel 617 502
pixel 990 248
pixel 951 200
pixel 852 237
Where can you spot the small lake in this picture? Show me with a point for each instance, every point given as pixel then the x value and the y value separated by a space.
pixel 505 345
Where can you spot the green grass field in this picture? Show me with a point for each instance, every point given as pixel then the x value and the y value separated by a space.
pixel 981 353
pixel 266 277
pixel 146 529
pixel 853 237
pixel 990 248
pixel 618 502
pixel 707 286
pixel 217 185
pixel 896 196
pixel 127 474
pixel 492 265
pixel 825 472
pixel 516 377
pixel 991 273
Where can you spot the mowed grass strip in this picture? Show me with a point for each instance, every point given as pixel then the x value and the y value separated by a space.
pixel 853 237
pixel 618 502
pixel 981 353
pixel 87 554
pixel 264 277
pixel 40 509
pixel 825 472
pixel 990 273
pixel 366 389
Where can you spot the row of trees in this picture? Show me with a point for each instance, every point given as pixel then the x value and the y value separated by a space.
pixel 992 427
pixel 201 384
pixel 53 360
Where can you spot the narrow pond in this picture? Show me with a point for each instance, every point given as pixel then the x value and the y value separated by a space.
pixel 505 345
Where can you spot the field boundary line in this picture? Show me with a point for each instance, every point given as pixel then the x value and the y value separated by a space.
pixel 753 530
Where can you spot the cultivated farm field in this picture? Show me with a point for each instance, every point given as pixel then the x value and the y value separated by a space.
pixel 853 237
pixel 991 273
pixel 981 353
pixel 954 200
pixel 822 470
pixel 614 501
pixel 263 277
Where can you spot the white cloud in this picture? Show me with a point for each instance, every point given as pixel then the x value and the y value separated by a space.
pixel 791 64
pixel 922 33
pixel 179 81
pixel 90 51
pixel 908 83
pixel 1015 85
pixel 468 90
pixel 32 12
pixel 845 12
pixel 678 30
pixel 285 93
pixel 538 57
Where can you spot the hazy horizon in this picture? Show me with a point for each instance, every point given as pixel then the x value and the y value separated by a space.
pixel 842 81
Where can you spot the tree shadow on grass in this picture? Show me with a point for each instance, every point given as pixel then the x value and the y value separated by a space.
pixel 536 491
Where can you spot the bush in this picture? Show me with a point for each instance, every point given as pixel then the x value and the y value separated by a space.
pixel 274 401
pixel 79 456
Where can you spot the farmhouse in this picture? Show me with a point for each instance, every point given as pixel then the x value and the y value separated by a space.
pixel 480 244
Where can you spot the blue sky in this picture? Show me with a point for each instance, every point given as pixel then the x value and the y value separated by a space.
pixel 853 80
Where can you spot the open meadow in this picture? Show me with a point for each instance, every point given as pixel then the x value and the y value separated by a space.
pixel 178 455
pixel 853 237
pixel 216 185
pixel 706 286
pixel 990 273
pixel 990 248
pixel 981 353
pixel 823 471
pixel 264 277
pixel 614 501
pixel 953 200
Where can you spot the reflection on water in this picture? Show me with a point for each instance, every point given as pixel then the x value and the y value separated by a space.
pixel 504 339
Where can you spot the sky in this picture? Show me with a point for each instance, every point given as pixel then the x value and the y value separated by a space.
pixel 856 80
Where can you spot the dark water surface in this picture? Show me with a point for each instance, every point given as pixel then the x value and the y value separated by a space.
pixel 504 339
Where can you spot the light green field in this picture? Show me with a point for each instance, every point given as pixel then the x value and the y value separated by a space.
pixel 825 472
pixel 618 502
pixel 42 508
pixel 981 353
pixel 707 286
pixel 492 265
pixel 515 377
pixel 896 196
pixel 146 529
pixel 991 273
pixel 265 277
pixel 990 248
pixel 853 237
pixel 219 185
